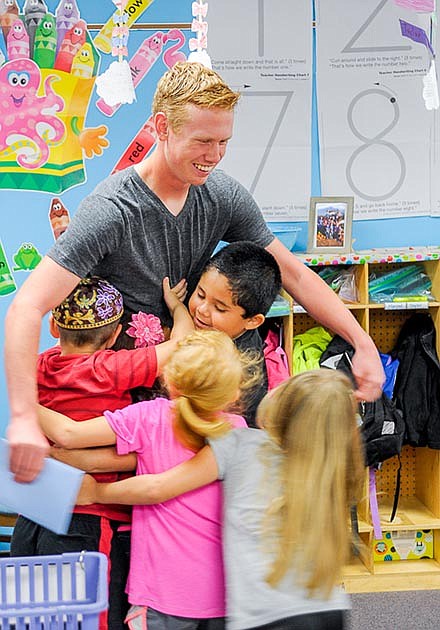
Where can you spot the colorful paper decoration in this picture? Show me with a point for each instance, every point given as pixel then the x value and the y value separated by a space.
pixel 8 14
pixel 199 44
pixel 17 41
pixel 430 88
pixel 134 9
pixel 43 141
pixel 416 34
pixel 421 6
pixel 27 257
pixel 115 85
pixel 59 217
pixel 7 282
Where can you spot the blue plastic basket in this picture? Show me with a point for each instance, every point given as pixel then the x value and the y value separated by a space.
pixel 286 234
pixel 64 592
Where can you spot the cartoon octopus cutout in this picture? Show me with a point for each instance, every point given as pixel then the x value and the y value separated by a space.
pixel 28 122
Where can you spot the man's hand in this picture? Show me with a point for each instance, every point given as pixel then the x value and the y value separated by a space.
pixel 87 492
pixel 27 449
pixel 368 372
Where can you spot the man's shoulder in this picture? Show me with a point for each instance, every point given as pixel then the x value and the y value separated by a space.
pixel 110 185
pixel 220 180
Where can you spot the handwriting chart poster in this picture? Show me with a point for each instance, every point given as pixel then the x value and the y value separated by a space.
pixel 373 122
pixel 263 49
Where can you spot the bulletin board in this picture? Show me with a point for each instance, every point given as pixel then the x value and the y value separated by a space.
pixel 37 202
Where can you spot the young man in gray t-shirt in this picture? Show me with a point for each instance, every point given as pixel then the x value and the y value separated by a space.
pixel 162 217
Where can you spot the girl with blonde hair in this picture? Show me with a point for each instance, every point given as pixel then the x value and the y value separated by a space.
pixel 176 568
pixel 287 493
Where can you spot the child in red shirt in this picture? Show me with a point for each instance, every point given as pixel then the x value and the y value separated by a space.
pixel 83 377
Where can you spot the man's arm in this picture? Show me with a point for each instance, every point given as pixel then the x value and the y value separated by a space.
pixel 148 489
pixel 95 460
pixel 45 287
pixel 309 290
pixel 68 433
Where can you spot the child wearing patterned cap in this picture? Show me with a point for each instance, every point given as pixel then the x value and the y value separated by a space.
pixel 83 377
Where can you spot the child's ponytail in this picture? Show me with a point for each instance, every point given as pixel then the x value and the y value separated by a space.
pixel 204 376
pixel 195 427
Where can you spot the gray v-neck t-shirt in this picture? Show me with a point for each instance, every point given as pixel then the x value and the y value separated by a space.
pixel 124 233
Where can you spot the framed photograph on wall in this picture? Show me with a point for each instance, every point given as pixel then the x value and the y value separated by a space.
pixel 330 223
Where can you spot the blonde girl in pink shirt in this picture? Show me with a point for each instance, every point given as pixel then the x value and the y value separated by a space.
pixel 176 579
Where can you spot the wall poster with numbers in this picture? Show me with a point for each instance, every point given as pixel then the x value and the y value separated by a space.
pixel 375 131
pixel 263 49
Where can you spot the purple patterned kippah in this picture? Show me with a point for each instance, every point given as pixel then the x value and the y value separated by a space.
pixel 93 303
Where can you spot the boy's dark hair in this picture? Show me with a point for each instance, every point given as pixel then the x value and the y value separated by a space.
pixel 95 337
pixel 253 275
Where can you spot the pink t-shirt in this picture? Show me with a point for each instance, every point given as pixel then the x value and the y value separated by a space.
pixel 176 564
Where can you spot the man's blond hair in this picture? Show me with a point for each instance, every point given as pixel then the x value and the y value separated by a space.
pixel 190 83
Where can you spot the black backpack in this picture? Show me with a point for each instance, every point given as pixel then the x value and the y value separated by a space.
pixel 382 423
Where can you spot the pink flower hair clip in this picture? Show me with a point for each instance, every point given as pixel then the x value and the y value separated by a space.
pixel 146 330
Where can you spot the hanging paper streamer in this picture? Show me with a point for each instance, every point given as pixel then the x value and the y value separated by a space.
pixel 139 147
pixel 199 44
pixel 421 6
pixel 116 84
pixel 430 89
pixel 145 57
pixel 133 9
pixel 416 33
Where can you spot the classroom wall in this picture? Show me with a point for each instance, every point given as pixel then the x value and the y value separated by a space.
pixel 25 213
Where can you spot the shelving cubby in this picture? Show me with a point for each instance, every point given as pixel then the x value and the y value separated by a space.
pixel 419 502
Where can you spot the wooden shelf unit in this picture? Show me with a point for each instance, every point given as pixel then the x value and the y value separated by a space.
pixel 419 503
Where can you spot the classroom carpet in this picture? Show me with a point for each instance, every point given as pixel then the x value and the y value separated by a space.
pixel 397 610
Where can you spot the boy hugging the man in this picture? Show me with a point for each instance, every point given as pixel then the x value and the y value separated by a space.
pixel 236 290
